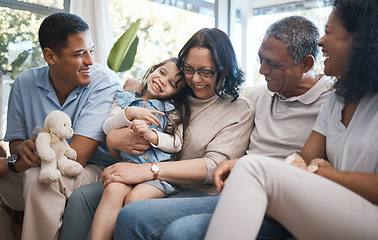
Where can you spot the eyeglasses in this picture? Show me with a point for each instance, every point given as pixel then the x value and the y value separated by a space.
pixel 206 73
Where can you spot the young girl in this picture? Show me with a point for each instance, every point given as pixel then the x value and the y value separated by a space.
pixel 147 113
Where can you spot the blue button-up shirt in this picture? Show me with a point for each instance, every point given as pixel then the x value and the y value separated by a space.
pixel 33 96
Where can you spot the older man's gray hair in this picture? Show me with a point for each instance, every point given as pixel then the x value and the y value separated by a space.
pixel 299 34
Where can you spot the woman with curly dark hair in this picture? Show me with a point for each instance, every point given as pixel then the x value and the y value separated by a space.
pixel 220 121
pixel 336 195
pixel 360 20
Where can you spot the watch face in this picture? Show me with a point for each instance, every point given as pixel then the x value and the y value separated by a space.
pixel 12 159
pixel 155 168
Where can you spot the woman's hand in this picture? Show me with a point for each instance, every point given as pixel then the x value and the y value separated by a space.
pixel 317 163
pixel 221 173
pixel 127 173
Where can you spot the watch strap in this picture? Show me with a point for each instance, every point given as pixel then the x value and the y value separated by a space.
pixel 155 169
pixel 11 161
pixel 12 167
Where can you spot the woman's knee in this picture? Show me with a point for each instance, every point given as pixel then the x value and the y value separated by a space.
pixel 138 213
pixel 189 227
pixel 145 219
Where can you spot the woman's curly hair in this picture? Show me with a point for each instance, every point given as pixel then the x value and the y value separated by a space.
pixel 359 18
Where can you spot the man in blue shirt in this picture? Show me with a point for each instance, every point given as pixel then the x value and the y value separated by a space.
pixel 71 82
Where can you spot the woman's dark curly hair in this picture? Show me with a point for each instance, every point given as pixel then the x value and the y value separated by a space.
pixel 359 17
pixel 224 58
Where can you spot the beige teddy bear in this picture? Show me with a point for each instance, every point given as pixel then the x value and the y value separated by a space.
pixel 58 158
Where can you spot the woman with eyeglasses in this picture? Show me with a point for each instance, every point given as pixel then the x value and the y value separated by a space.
pixel 218 129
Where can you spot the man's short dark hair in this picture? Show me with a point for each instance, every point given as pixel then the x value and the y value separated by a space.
pixel 55 29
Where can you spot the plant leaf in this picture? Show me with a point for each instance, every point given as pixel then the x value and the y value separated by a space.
pixel 16 64
pixel 128 61
pixel 21 58
pixel 120 49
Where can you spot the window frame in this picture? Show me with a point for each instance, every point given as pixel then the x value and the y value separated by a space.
pixel 35 8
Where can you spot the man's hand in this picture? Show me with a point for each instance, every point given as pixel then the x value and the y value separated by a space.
pixel 25 151
pixel 221 173
pixel 125 140
pixel 133 113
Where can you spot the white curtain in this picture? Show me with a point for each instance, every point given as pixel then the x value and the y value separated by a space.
pixel 96 14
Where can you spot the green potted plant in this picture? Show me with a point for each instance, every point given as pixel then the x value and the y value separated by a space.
pixel 122 54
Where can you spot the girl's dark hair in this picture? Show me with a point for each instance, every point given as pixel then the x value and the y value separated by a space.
pixel 55 29
pixel 153 68
pixel 179 100
pixel 359 18
pixel 224 58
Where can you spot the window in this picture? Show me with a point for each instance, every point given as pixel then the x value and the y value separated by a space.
pixel 165 28
pixel 20 22
pixel 316 11
pixel 59 4
pixel 19 46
